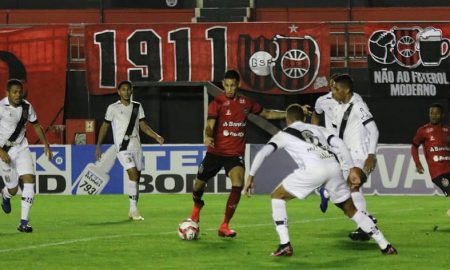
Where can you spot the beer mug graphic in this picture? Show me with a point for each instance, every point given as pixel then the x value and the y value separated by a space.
pixel 432 47
pixel 405 49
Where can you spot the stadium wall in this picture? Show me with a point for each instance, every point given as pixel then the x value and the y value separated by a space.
pixel 171 169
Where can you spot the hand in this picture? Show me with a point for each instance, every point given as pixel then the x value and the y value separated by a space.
pixel 5 157
pixel 307 110
pixel 370 163
pixel 420 169
pixel 159 139
pixel 48 152
pixel 98 153
pixel 209 141
pixel 249 186
pixel 356 178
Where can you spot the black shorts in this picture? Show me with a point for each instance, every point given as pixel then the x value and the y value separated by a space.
pixel 212 164
pixel 443 182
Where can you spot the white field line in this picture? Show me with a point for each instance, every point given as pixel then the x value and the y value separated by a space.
pixel 74 241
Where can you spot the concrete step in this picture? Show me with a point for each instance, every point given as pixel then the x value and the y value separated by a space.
pixel 225 3
pixel 210 12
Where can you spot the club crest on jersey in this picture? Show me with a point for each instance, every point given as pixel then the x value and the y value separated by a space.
pixel 228 112
pixel 242 101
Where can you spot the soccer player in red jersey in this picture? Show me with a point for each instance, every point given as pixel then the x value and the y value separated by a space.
pixel 435 138
pixel 225 137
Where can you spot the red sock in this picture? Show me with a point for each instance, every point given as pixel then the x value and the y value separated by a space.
pixel 198 204
pixel 232 203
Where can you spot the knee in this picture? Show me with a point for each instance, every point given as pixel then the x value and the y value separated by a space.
pixel 13 191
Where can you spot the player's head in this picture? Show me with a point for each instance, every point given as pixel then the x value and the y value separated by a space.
pixel 436 113
pixel 125 90
pixel 341 87
pixel 294 112
pixel 230 83
pixel 14 92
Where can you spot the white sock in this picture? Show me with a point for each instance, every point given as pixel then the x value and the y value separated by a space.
pixel 359 201
pixel 280 218
pixel 367 225
pixel 27 200
pixel 326 194
pixel 5 193
pixel 133 195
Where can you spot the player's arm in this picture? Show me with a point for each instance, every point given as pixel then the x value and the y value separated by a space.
pixel 417 141
pixel 257 162
pixel 209 132
pixel 41 135
pixel 101 137
pixel 371 161
pixel 143 125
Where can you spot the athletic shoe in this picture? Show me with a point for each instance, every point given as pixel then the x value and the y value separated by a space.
pixel 360 235
pixel 389 250
pixel 323 200
pixel 195 216
pixel 6 205
pixel 283 250
pixel 135 215
pixel 24 227
pixel 224 231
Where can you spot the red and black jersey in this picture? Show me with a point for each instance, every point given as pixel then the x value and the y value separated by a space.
pixel 436 146
pixel 231 120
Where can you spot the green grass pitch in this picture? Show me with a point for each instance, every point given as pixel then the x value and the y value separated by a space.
pixel 93 232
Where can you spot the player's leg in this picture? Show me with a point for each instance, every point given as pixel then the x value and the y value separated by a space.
pixel 367 225
pixel 24 167
pixel 236 174
pixel 11 181
pixel 27 202
pixel 443 182
pixel 132 163
pixel 279 214
pixel 340 195
pixel 360 203
pixel 133 193
pixel 209 167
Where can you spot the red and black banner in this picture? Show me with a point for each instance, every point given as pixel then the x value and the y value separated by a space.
pixel 274 58
pixel 409 60
pixel 38 57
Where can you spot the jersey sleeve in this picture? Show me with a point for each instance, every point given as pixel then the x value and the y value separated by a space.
pixel 278 140
pixel 363 112
pixel 32 117
pixel 318 109
pixel 109 114
pixel 417 141
pixel 141 112
pixel 213 109
pixel 256 108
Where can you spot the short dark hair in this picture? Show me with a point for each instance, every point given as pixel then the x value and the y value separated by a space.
pixel 344 79
pixel 13 82
pixel 295 112
pixel 125 82
pixel 437 105
pixel 232 74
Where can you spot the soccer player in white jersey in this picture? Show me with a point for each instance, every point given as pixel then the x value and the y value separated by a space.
pixel 313 148
pixel 15 156
pixel 127 117
pixel 356 127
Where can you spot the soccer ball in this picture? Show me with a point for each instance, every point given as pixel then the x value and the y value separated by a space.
pixel 188 230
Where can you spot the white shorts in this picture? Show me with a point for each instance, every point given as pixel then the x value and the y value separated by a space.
pixel 21 164
pixel 301 183
pixel 131 159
